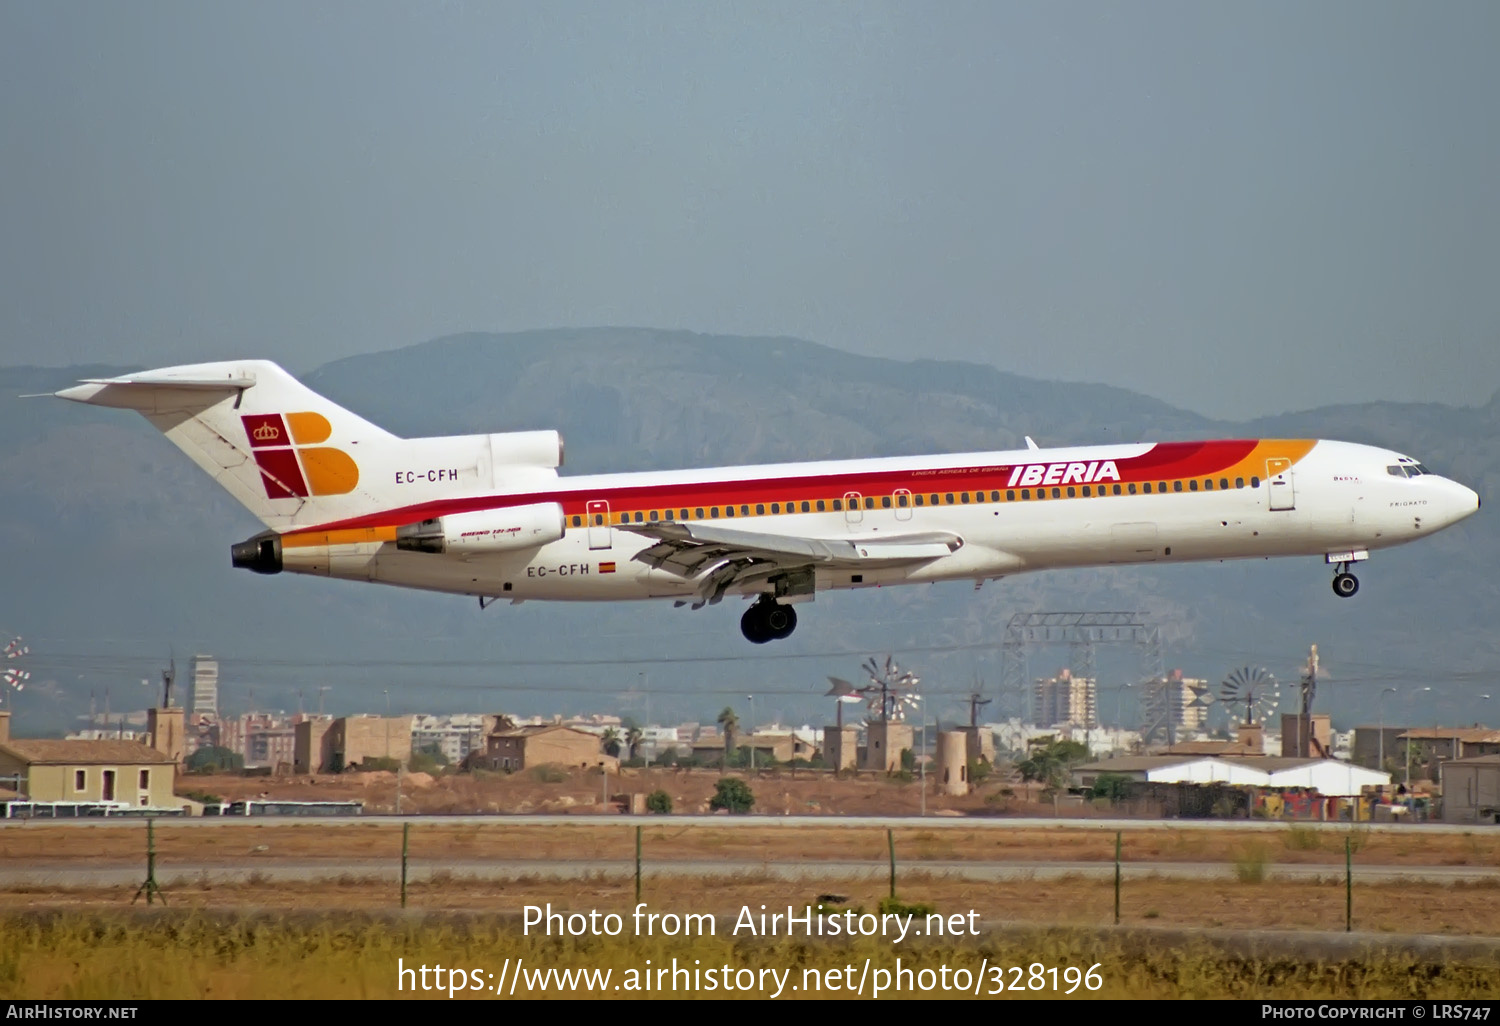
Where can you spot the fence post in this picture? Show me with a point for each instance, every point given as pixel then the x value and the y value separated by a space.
pixel 149 888
pixel 637 865
pixel 1117 878
pixel 1349 885
pixel 890 838
pixel 405 839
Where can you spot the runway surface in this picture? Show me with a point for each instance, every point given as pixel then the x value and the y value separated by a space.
pixel 250 869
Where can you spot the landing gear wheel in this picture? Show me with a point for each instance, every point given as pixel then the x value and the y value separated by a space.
pixel 781 620
pixel 754 627
pixel 768 620
pixel 1345 584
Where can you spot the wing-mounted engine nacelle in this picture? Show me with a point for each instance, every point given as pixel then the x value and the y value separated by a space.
pixel 527 449
pixel 491 530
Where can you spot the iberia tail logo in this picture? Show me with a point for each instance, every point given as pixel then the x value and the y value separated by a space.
pixel 292 463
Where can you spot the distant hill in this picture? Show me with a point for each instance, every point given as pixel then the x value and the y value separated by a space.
pixel 118 546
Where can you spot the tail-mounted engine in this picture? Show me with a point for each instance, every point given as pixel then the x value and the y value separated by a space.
pixel 495 530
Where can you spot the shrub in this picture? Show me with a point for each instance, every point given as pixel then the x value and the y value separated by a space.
pixel 732 794
pixel 659 802
pixel 901 908
pixel 547 774
pixel 1250 864
pixel 380 763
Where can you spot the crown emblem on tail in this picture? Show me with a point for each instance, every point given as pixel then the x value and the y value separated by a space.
pixel 267 433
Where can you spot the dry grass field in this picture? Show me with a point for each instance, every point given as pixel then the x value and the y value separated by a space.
pixel 433 840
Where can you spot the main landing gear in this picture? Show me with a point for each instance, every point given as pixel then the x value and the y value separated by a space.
pixel 1345 584
pixel 768 620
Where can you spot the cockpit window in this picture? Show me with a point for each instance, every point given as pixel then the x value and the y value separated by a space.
pixel 1415 469
pixel 1396 470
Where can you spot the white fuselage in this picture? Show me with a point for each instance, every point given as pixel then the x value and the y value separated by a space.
pixel 1332 499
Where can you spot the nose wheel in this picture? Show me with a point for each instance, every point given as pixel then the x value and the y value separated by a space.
pixel 768 620
pixel 1345 584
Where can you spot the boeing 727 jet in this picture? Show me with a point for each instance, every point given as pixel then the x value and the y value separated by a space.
pixel 489 515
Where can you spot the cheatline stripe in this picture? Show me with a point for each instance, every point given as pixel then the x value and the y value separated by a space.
pixel 1168 462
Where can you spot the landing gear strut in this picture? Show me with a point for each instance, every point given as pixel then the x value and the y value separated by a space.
pixel 768 620
pixel 1345 584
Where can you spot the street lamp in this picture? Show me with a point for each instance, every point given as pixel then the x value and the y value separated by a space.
pixel 1408 757
pixel 1380 704
pixel 751 732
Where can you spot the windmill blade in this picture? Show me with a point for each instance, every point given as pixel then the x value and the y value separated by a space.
pixel 840 687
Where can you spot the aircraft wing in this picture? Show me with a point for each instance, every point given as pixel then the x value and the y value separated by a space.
pixel 720 557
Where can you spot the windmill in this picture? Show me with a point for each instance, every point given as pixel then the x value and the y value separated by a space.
pixel 1252 689
pixel 897 690
pixel 14 676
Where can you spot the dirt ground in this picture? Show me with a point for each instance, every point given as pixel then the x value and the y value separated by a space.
pixel 1454 910
pixel 40 844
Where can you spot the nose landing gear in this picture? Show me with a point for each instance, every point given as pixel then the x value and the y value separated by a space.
pixel 768 620
pixel 1345 584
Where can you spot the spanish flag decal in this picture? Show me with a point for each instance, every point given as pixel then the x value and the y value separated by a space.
pixel 606 568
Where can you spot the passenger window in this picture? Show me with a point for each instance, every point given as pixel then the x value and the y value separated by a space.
pixel 1057 493
pixel 1239 482
pixel 776 508
pixel 685 514
pixel 700 512
pixel 963 496
pixel 1025 494
pixel 1071 493
pixel 1132 487
pixel 950 498
pixel 1117 489
pixel 1254 481
pixel 598 518
pixel 1161 486
pixel 669 514
pixel 578 521
pixel 901 501
pixel 1176 486
pixel 869 502
pixel 838 504
pixel 935 500
pixel 654 516
pixel 1224 484
pixel 994 496
pixel 1208 484
pixel 885 502
pixel 804 507
pixel 639 517
pixel 1087 493
pixel 713 512
pixel 1010 496
pixel 1146 487
pixel 820 505
pixel 917 500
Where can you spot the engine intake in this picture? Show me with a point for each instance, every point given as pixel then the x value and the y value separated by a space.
pixel 491 530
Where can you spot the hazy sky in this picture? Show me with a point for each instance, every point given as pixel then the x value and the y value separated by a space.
pixel 1239 208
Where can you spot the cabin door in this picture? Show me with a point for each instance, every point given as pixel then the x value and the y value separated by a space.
pixel 1279 483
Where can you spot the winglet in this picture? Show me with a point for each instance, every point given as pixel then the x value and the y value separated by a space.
pixel 1030 444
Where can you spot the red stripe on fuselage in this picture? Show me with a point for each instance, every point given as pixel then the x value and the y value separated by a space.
pixel 1162 461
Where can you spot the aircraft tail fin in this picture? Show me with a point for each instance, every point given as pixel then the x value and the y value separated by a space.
pixel 287 454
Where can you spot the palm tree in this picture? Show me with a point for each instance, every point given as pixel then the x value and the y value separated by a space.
pixel 634 735
pixel 731 727
pixel 611 741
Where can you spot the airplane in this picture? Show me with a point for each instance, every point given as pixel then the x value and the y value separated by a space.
pixel 488 515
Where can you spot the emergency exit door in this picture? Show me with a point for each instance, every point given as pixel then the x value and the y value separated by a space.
pixel 599 529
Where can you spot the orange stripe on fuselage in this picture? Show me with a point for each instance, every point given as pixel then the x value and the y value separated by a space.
pixel 348 536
